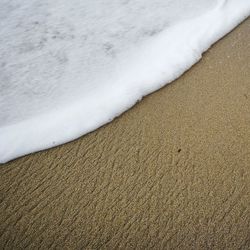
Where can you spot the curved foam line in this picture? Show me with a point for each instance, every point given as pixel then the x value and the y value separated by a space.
pixel 157 63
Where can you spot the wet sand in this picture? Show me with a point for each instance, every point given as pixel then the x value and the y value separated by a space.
pixel 171 173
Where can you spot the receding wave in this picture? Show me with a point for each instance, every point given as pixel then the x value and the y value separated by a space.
pixel 68 67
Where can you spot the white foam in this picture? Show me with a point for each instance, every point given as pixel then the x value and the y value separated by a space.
pixel 67 68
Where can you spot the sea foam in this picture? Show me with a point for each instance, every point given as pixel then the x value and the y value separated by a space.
pixel 69 67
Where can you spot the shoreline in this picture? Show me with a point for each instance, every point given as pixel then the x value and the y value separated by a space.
pixel 172 169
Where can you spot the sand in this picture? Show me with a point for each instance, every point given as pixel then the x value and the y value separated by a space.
pixel 171 173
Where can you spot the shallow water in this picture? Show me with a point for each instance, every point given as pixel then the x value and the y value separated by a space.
pixel 68 68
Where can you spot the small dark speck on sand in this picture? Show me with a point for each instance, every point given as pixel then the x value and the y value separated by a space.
pixel 179 150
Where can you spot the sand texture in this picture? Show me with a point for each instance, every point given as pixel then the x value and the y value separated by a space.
pixel 171 173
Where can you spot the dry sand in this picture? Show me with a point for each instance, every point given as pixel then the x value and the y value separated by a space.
pixel 173 172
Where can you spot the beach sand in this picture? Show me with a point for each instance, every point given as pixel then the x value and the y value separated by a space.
pixel 171 173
